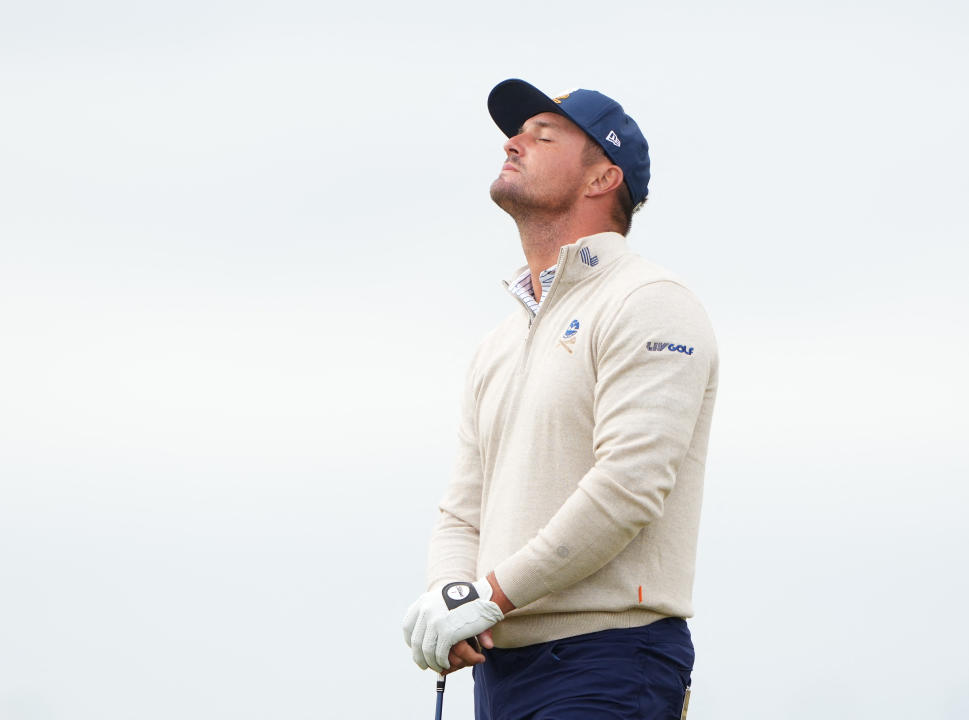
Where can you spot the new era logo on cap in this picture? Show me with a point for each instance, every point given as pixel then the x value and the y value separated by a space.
pixel 613 138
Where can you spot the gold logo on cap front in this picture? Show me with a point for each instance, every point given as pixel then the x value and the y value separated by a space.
pixel 560 98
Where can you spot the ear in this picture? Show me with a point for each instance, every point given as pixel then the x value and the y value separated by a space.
pixel 607 179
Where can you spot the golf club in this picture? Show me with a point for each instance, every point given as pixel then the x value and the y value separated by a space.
pixel 440 697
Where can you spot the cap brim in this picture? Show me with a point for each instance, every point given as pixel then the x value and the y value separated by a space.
pixel 512 102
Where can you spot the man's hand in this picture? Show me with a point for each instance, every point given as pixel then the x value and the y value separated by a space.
pixel 464 654
pixel 440 620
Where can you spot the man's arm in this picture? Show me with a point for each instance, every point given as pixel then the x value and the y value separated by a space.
pixel 453 557
pixel 646 407
pixel 453 549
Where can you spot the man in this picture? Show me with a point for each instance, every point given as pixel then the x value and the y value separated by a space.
pixel 582 444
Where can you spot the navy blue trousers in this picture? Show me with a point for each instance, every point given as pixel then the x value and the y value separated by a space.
pixel 637 673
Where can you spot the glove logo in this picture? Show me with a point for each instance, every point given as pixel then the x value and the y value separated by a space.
pixel 458 592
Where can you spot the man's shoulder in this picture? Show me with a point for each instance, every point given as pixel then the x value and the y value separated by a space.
pixel 633 271
pixel 633 276
pixel 644 293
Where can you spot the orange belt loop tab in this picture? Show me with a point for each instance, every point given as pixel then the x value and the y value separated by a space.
pixel 640 593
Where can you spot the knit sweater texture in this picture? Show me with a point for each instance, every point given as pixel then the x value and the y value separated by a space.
pixel 581 451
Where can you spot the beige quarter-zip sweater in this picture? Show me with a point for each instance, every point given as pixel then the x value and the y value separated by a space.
pixel 581 451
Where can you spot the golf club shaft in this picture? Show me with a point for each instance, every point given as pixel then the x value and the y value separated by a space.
pixel 440 697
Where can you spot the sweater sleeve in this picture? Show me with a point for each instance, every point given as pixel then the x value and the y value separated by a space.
pixel 453 553
pixel 646 405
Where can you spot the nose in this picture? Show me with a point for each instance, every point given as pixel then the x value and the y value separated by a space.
pixel 512 146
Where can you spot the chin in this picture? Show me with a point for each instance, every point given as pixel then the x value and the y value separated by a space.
pixel 503 191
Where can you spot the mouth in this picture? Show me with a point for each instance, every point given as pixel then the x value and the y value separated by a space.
pixel 510 166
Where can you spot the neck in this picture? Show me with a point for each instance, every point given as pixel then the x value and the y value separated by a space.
pixel 543 236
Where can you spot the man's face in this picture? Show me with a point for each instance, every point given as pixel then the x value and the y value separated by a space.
pixel 544 168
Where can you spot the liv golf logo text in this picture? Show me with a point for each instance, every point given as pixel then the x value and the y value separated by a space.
pixel 656 346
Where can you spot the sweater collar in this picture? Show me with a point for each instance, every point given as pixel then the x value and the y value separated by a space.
pixel 585 257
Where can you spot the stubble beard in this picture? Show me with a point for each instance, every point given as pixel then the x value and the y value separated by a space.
pixel 507 197
pixel 522 204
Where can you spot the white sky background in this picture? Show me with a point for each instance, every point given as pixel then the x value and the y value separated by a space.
pixel 246 252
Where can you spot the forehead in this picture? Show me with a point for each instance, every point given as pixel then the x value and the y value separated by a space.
pixel 553 121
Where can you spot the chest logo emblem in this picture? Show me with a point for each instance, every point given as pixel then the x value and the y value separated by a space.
pixel 568 337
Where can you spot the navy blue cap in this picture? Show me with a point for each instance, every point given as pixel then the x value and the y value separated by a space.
pixel 512 102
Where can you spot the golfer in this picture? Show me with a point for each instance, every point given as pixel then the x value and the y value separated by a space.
pixel 566 540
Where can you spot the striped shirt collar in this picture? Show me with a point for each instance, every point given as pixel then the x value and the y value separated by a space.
pixel 522 288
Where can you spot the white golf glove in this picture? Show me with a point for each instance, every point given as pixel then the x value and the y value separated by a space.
pixel 440 619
